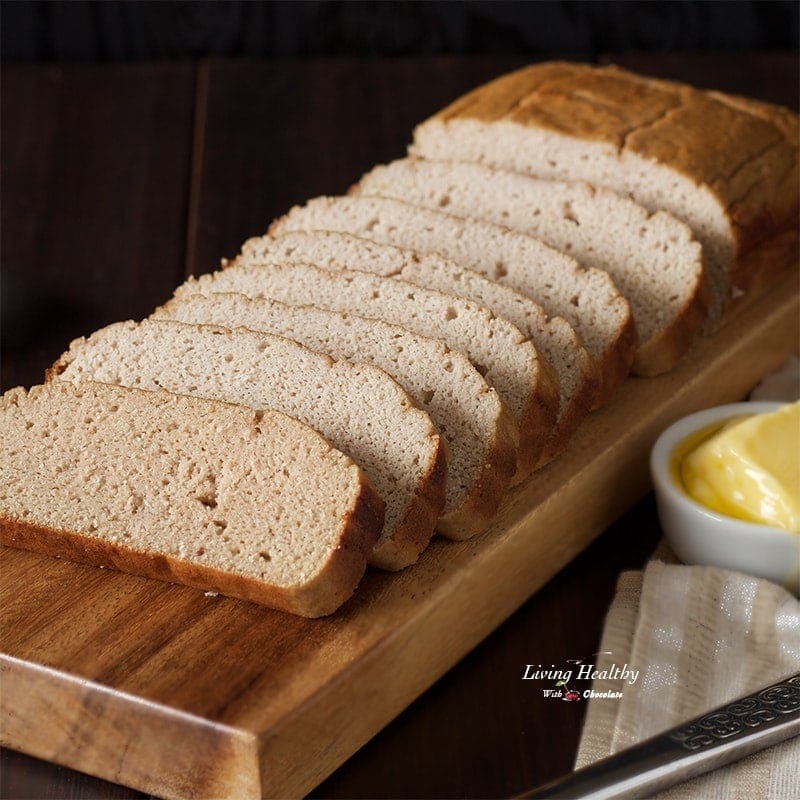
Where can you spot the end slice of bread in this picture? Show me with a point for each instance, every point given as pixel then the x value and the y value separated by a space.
pixel 254 505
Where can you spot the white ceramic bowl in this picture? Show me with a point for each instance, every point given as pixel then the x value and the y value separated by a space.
pixel 699 535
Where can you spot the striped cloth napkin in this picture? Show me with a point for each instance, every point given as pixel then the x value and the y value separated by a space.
pixel 700 636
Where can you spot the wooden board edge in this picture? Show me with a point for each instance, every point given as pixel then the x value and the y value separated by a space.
pixel 287 755
pixel 52 715
pixel 308 744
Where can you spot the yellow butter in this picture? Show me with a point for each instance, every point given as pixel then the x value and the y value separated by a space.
pixel 750 469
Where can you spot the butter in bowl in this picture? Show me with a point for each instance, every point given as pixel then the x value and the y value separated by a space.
pixel 727 484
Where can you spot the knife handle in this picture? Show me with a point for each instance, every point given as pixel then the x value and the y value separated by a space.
pixel 726 734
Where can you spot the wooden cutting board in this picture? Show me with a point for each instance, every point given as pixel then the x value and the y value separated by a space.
pixel 175 693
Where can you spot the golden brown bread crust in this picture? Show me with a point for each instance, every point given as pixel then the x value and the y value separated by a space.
pixel 57 367
pixel 477 511
pixel 763 264
pixel 661 353
pixel 413 533
pixel 582 402
pixel 617 361
pixel 537 422
pixel 334 584
pixel 745 151
pixel 675 340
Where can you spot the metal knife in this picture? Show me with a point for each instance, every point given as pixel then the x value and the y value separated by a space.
pixel 726 734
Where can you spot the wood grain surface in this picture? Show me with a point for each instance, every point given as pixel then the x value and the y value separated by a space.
pixel 161 688
pixel 226 146
pixel 502 736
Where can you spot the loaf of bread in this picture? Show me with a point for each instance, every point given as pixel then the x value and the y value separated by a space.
pixel 386 364
pixel 502 354
pixel 654 259
pixel 554 338
pixel 587 299
pixel 356 407
pixel 252 504
pixel 480 432
pixel 727 166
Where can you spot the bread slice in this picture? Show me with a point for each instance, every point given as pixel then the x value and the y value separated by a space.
pixel 252 504
pixel 480 433
pixel 727 166
pixel 654 259
pixel 500 351
pixel 358 408
pixel 554 338
pixel 587 299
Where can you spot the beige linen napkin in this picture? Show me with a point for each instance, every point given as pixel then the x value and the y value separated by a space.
pixel 700 636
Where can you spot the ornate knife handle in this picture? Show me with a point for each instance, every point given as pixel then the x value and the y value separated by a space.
pixel 740 716
pixel 726 734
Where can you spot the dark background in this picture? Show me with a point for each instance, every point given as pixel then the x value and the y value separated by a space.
pixel 112 31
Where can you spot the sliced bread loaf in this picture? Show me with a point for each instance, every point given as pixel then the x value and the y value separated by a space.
pixel 480 433
pixel 587 299
pixel 358 408
pixel 500 351
pixel 725 165
pixel 252 504
pixel 554 338
pixel 654 259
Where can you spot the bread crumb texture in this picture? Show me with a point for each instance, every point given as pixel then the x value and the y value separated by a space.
pixel 255 494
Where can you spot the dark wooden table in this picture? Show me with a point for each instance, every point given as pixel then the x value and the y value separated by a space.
pixel 118 181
